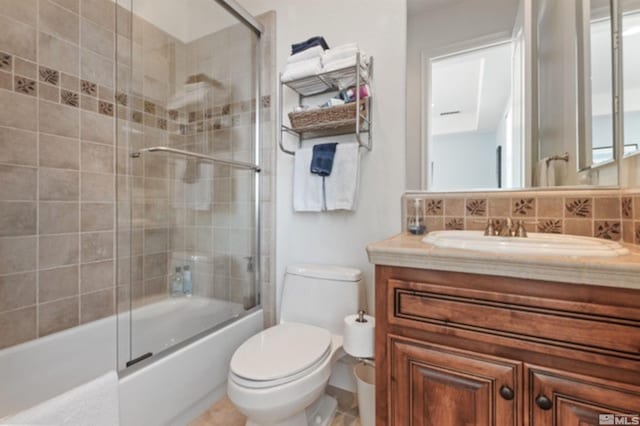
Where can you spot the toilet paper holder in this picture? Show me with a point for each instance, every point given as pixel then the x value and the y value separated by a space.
pixel 363 319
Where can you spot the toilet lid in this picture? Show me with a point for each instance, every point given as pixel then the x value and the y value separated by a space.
pixel 280 351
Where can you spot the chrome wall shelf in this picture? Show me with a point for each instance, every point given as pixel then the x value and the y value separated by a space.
pixel 324 83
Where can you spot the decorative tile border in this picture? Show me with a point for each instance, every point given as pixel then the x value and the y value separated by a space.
pixel 607 214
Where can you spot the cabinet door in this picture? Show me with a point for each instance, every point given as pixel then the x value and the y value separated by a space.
pixel 439 386
pixel 558 399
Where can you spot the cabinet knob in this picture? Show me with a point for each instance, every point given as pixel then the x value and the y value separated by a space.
pixel 543 402
pixel 507 393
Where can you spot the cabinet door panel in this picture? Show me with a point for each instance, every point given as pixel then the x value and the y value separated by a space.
pixel 574 400
pixel 439 386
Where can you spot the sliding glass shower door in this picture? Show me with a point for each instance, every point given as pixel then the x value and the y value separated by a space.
pixel 188 218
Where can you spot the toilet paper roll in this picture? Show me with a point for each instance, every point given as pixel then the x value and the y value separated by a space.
pixel 359 337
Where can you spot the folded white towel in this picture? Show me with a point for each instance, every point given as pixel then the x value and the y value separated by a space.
pixel 302 69
pixel 314 52
pixel 94 403
pixel 342 185
pixel 307 187
pixel 348 61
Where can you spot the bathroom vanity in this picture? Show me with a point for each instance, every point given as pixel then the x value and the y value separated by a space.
pixel 472 338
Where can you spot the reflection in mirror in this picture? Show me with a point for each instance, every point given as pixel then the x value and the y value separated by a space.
pixel 540 116
pixel 471 120
pixel 631 72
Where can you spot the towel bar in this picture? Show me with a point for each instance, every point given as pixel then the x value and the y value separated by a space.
pixel 232 163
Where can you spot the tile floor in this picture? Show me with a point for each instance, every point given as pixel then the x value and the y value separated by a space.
pixel 223 413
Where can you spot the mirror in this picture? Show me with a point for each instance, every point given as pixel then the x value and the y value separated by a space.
pixel 522 93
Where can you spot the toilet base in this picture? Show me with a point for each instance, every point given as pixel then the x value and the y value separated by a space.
pixel 320 413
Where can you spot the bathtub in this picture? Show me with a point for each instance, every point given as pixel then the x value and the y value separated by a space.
pixel 170 388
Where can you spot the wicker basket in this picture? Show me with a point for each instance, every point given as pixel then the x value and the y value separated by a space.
pixel 327 118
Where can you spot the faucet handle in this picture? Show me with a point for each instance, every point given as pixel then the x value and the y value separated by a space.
pixel 521 231
pixel 490 230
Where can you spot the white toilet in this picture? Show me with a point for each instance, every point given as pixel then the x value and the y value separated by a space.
pixel 278 377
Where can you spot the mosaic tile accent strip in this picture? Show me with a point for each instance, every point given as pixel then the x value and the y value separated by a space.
pixel 6 61
pixel 69 98
pixel 584 212
pixel 89 88
pixel 105 108
pixel 49 76
pixel 25 85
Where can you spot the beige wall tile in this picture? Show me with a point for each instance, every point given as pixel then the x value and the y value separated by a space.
pixel 156 240
pixel 97 187
pixel 578 207
pixel 59 21
pixel 48 93
pixel 17 326
pixel 59 119
pixel 97 246
pixel 550 207
pixel 155 265
pixel 24 11
pixel 58 185
pixel 97 276
pixel 18 110
pixel 18 147
pixel 58 283
pixel 25 68
pixel 17 38
pixel 58 54
pixel 17 291
pixel 17 218
pixel 17 255
pixel 97 305
pixel 97 217
pixel 59 152
pixel 607 208
pixel 72 5
pixel 499 207
pixel 97 158
pixel 578 227
pixel 57 316
pixel 17 183
pixel 97 39
pixel 6 81
pixel 96 68
pixel 102 12
pixel 523 206
pixel 97 128
pixel 58 217
pixel 58 250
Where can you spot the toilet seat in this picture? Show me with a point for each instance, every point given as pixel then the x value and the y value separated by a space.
pixel 279 355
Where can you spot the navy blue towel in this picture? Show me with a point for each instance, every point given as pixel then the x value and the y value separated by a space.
pixel 307 44
pixel 322 160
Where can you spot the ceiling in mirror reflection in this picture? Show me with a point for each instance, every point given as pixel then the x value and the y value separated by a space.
pixel 469 94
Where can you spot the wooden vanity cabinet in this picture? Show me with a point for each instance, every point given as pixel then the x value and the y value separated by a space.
pixel 462 349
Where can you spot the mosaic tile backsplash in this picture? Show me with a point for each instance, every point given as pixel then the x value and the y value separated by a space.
pixel 608 214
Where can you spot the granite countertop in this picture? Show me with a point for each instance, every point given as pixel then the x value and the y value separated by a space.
pixel 405 250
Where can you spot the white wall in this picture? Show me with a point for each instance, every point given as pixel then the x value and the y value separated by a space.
pixel 379 26
pixel 427 34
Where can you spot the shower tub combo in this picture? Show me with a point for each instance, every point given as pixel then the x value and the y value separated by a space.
pixel 172 353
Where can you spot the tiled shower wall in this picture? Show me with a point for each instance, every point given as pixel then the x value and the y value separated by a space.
pixel 608 214
pixel 58 159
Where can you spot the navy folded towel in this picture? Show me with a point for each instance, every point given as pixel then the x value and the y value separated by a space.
pixel 307 44
pixel 322 159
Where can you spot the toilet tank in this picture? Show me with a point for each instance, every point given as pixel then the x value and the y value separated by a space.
pixel 320 295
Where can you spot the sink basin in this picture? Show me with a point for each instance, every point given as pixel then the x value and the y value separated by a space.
pixel 534 244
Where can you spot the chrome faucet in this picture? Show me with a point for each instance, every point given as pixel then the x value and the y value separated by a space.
pixel 508 228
